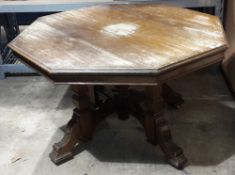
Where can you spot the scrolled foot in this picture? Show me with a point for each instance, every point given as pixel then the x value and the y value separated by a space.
pixel 179 161
pixel 174 154
pixel 58 156
pixel 63 150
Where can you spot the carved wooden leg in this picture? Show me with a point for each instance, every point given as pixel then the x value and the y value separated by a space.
pixel 171 97
pixel 146 119
pixel 173 153
pixel 80 127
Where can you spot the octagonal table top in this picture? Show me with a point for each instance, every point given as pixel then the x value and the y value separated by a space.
pixel 118 40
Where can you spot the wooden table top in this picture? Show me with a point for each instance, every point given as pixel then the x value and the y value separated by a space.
pixel 119 39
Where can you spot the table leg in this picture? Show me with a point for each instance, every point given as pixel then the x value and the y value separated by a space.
pixel 172 97
pixel 156 126
pixel 80 127
pixel 84 120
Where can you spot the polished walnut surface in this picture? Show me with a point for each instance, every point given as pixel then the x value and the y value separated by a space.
pixel 119 39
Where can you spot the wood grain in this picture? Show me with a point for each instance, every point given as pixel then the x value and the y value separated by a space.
pixel 114 39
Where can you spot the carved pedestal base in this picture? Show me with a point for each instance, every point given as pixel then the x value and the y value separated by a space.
pixel 146 106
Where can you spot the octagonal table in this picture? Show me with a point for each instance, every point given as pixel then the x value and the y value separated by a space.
pixel 122 46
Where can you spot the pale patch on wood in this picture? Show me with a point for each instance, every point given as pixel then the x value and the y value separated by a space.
pixel 122 29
